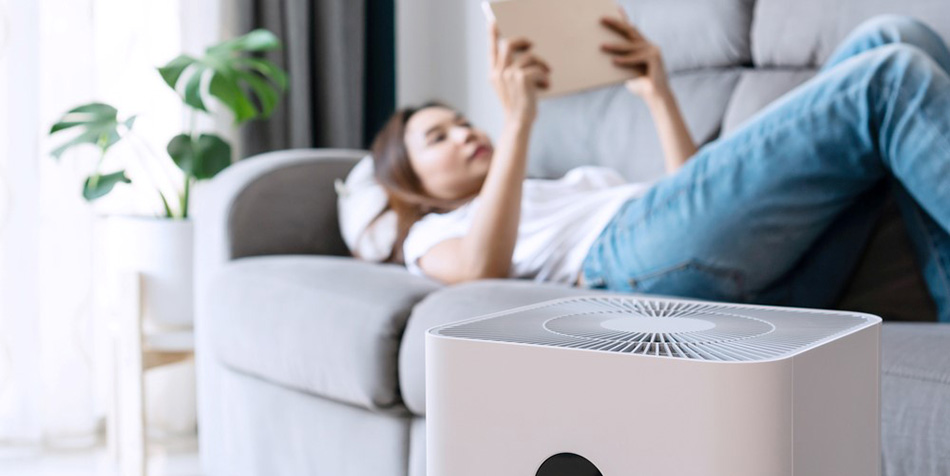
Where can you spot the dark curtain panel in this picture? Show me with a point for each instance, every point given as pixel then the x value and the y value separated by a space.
pixel 339 55
pixel 380 84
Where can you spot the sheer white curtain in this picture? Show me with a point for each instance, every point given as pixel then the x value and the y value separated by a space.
pixel 54 55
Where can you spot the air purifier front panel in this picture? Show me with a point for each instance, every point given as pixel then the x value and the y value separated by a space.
pixel 639 386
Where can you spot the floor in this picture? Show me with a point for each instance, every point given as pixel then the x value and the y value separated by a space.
pixel 178 458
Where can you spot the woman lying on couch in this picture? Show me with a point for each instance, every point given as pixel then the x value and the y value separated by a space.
pixel 728 221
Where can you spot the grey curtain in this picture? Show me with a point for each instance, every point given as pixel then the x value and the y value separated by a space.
pixel 324 54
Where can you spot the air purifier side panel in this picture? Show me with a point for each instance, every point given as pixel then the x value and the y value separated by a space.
pixel 502 409
pixel 837 407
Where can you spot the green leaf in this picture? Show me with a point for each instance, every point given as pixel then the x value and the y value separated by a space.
pixel 86 137
pixel 192 92
pixel 97 186
pixel 234 79
pixel 97 108
pixel 257 40
pixel 182 152
pixel 266 93
pixel 227 90
pixel 214 156
pixel 267 69
pixel 98 125
pixel 84 114
pixel 173 69
pixel 202 159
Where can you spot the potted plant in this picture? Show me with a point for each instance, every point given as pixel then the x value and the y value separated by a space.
pixel 161 247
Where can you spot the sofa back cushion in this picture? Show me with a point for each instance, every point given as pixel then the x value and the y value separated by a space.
pixel 612 127
pixel 279 212
pixel 757 88
pixel 804 33
pixel 695 34
pixel 703 44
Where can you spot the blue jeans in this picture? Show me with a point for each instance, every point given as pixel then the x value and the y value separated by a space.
pixel 741 214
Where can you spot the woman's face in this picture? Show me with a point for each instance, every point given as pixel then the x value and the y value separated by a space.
pixel 450 156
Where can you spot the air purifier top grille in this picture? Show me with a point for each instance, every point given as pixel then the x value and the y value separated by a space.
pixel 662 327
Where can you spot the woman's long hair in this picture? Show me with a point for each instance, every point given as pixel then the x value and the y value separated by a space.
pixel 394 172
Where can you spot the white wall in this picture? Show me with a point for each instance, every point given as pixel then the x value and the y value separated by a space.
pixel 442 53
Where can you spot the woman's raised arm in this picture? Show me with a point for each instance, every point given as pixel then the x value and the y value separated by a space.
pixel 634 51
pixel 487 250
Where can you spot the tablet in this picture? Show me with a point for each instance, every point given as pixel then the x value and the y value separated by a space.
pixel 567 34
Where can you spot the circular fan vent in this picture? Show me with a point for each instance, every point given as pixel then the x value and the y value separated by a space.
pixel 660 327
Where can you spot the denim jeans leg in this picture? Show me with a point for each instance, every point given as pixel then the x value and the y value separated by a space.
pixel 745 209
pixel 837 253
pixel 821 277
pixel 932 245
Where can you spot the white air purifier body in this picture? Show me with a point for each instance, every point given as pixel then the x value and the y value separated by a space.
pixel 630 386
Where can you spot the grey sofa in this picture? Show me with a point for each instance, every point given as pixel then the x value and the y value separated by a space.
pixel 310 362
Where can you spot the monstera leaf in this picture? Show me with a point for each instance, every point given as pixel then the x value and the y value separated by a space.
pixel 98 185
pixel 225 73
pixel 202 157
pixel 98 124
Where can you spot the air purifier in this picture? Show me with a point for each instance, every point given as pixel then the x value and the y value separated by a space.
pixel 633 386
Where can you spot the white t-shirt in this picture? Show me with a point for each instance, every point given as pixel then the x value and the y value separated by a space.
pixel 560 219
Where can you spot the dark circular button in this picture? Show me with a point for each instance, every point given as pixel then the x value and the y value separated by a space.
pixel 568 464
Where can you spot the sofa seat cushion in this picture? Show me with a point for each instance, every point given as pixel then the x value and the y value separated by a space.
pixel 915 399
pixel 326 325
pixel 460 302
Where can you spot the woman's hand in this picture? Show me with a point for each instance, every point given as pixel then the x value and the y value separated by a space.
pixel 516 79
pixel 635 52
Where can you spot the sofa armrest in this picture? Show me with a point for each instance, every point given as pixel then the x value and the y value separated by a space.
pixel 275 203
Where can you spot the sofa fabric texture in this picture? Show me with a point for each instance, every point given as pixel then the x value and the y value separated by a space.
pixel 300 322
pixel 311 362
pixel 804 33
pixel 915 399
pixel 264 221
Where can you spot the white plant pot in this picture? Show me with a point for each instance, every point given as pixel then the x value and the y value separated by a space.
pixel 161 249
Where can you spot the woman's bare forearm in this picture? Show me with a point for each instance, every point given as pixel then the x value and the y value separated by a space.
pixel 490 243
pixel 678 145
pixel 634 51
pixel 488 247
